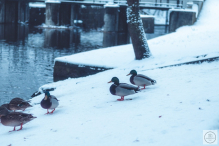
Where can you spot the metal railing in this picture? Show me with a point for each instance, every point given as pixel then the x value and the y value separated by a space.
pixel 156 3
pixel 149 3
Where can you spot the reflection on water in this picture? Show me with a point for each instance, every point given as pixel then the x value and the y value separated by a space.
pixel 27 55
pixel 159 30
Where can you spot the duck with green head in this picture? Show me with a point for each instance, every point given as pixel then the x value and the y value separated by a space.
pixel 18 104
pixel 49 102
pixel 14 118
pixel 140 80
pixel 121 89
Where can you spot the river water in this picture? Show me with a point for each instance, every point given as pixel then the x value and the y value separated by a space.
pixel 27 55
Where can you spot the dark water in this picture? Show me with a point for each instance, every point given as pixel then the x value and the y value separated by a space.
pixel 27 55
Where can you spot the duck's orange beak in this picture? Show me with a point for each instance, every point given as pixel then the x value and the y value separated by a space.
pixel 109 81
pixel 45 98
pixel 127 74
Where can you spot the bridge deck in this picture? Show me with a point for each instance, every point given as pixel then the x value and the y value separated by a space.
pixel 149 4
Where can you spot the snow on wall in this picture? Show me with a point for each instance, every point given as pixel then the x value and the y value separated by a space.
pixel 111 57
pixel 52 1
pixel 111 5
pixel 37 5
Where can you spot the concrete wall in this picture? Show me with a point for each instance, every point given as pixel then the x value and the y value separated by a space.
pixel 181 18
pixel 37 16
pixel 122 24
pixel 11 12
pixel 111 18
pixel 52 14
pixel 148 24
pixel 23 12
pixel 2 32
pixel 92 17
pixel 65 14
pixel 200 5
pixel 14 11
pixel 115 26
pixel 2 11
pixel 65 70
pixel 20 32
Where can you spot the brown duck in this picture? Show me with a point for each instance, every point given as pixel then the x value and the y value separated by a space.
pixel 14 118
pixel 18 104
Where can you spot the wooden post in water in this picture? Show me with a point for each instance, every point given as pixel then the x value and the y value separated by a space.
pixel 178 3
pixel 11 11
pixel 23 12
pixel 52 13
pixel 65 14
pixel 2 11
pixel 181 18
pixel 185 4
pixel 75 10
pixel 123 35
pixel 111 21
pixel 2 32
pixel 72 14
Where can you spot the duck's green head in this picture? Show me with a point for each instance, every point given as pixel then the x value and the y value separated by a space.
pixel 47 94
pixel 115 80
pixel 132 72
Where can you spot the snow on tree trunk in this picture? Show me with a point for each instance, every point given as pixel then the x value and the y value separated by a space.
pixel 136 30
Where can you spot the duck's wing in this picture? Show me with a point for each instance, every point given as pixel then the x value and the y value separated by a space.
pixel 16 100
pixel 146 77
pixel 124 89
pixel 53 97
pixel 54 101
pixel 128 86
pixel 19 116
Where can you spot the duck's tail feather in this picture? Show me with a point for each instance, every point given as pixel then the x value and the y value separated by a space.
pixel 137 90
pixel 154 82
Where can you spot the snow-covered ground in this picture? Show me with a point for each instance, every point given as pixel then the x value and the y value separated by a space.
pixel 174 112
pixel 184 45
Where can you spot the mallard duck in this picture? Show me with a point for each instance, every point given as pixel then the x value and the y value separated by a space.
pixel 49 102
pixel 14 118
pixel 18 104
pixel 140 80
pixel 121 89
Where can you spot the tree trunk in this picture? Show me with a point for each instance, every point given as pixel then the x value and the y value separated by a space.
pixel 136 30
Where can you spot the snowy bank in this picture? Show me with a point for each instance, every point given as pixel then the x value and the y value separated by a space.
pixel 184 45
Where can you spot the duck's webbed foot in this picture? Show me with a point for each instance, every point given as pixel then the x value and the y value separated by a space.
pixel 13 129
pixel 47 112
pixel 21 127
pixel 143 88
pixel 122 98
pixel 53 111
